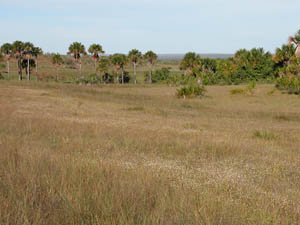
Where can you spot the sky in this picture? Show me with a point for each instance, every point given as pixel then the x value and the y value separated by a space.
pixel 164 26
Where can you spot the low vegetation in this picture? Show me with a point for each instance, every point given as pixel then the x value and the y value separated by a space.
pixel 190 91
pixel 112 155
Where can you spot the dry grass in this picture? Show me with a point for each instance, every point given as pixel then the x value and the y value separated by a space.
pixel 138 155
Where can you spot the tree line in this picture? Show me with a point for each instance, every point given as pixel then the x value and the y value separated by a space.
pixel 27 54
pixel 244 66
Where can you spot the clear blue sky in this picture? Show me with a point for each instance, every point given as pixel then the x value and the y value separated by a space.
pixel 164 26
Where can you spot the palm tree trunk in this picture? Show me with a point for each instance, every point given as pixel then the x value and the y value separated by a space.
pixel 150 75
pixel 95 61
pixel 36 67
pixel 57 74
pixel 134 71
pixel 80 68
pixel 297 53
pixel 122 76
pixel 20 69
pixel 28 72
pixel 7 68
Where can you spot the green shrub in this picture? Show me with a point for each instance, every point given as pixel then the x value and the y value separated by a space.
pixel 107 78
pixel 191 91
pixel 2 66
pixel 126 77
pixel 237 91
pixel 271 92
pixel 182 79
pixel 91 79
pixel 159 75
pixel 266 135
pixel 251 86
pixel 248 90
pixel 290 84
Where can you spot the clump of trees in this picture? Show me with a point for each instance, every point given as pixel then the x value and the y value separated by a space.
pixel 244 66
pixel 288 61
pixel 26 55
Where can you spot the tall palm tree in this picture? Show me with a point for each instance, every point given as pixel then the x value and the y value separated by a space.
pixel 57 60
pixel 151 58
pixel 6 50
pixel 28 48
pixel 36 53
pixel 76 49
pixel 296 40
pixel 95 50
pixel 18 51
pixel 135 56
pixel 119 61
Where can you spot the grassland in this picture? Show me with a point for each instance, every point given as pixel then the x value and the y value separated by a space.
pixel 138 155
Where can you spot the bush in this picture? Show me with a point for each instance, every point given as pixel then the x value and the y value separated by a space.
pixel 126 77
pixel 182 79
pixel 107 78
pixel 237 91
pixel 91 79
pixel 251 86
pixel 249 89
pixel 290 84
pixel 289 79
pixel 191 91
pixel 159 75
pixel 2 66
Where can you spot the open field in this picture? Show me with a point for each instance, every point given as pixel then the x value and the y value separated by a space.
pixel 138 155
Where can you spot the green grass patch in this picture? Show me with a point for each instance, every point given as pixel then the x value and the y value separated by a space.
pixel 237 91
pixel 265 135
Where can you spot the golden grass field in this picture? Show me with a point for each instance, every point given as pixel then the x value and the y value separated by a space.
pixel 138 155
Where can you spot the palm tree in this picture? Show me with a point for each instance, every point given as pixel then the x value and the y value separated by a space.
pixel 36 53
pixel 119 61
pixel 189 62
pixel 57 60
pixel 296 40
pixel 18 51
pixel 28 48
pixel 135 56
pixel 283 55
pixel 151 58
pixel 77 49
pixel 6 49
pixel 103 66
pixel 95 50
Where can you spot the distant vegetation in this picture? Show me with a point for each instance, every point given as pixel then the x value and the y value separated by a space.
pixel 282 68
